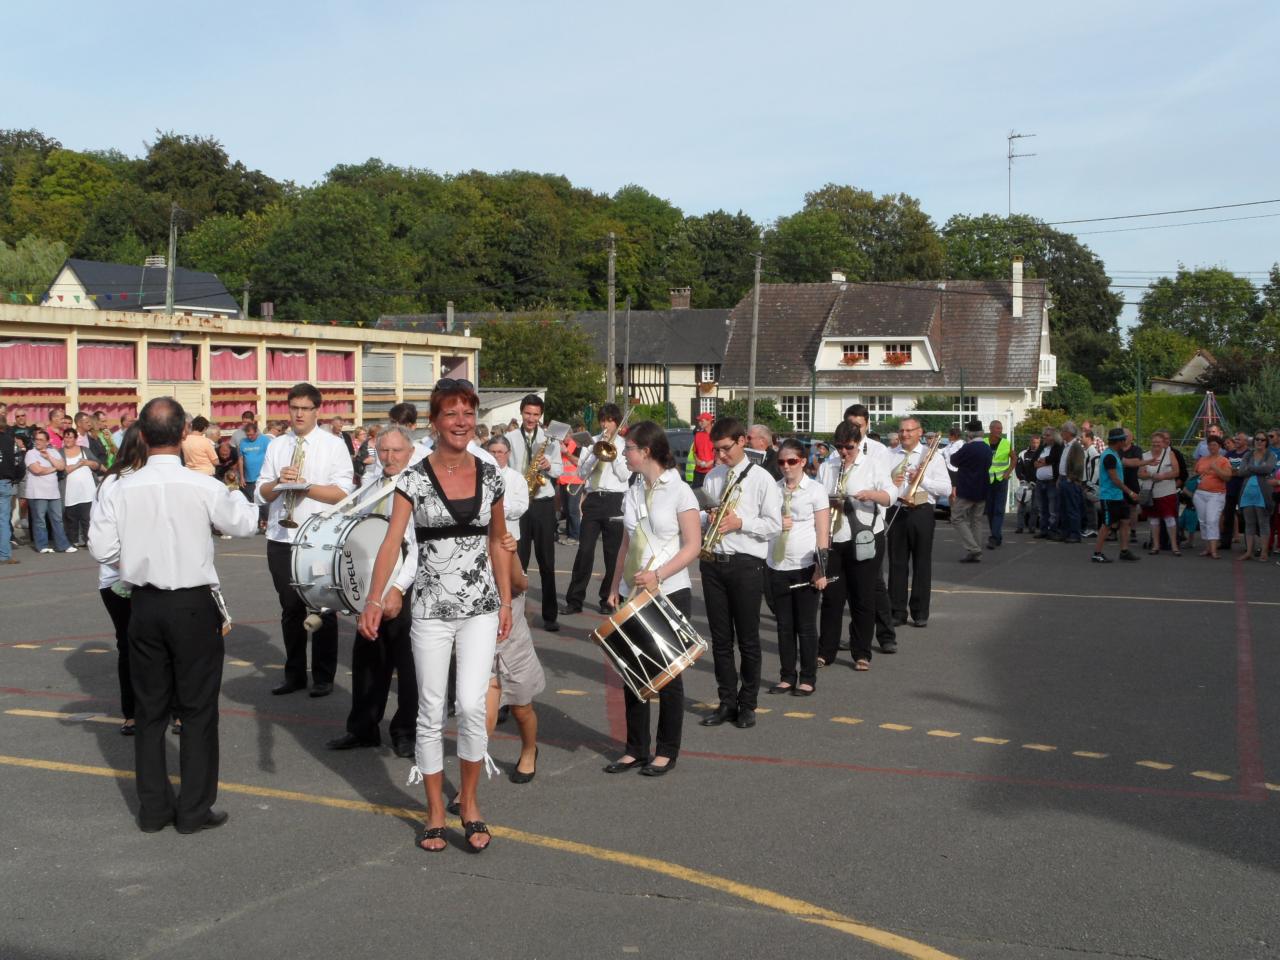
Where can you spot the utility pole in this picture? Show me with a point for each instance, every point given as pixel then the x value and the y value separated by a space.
pixel 626 365
pixel 173 253
pixel 755 330
pixel 1137 397
pixel 611 376
pixel 1015 156
pixel 244 309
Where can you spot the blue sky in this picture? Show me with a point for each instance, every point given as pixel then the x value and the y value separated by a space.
pixel 1137 107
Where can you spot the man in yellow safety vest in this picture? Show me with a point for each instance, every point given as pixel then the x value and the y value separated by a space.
pixel 998 492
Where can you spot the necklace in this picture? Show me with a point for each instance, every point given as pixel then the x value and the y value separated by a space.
pixel 448 467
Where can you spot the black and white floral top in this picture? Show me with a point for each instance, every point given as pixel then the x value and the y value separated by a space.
pixel 455 578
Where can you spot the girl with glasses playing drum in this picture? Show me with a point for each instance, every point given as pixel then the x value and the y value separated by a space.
pixel 661 537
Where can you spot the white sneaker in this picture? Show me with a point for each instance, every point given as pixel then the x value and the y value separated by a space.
pixel 225 536
pixel 70 550
pixel 47 550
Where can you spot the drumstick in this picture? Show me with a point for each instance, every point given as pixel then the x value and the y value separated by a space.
pixel 809 583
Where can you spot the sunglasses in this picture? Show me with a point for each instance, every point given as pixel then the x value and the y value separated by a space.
pixel 449 383
pixel 791 461
pixel 846 446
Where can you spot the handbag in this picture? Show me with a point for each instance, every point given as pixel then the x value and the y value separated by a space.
pixel 864 538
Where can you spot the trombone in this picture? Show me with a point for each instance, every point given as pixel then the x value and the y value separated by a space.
pixel 604 448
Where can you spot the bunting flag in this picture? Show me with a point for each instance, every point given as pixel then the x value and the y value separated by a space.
pixel 31 298
pixel 59 298
pixel 13 297
pixel 77 296
pixel 93 297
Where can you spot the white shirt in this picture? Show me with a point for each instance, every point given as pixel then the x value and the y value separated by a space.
pixel 521 446
pixel 80 485
pixel 947 452
pixel 515 502
pixel 669 497
pixel 154 524
pixel 108 573
pixel 326 463
pixel 117 437
pixel 937 479
pixel 807 499
pixel 865 474
pixel 370 504
pixel 613 478
pixel 44 487
pixel 759 507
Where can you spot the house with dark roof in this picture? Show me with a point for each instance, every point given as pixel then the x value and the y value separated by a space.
pixel 90 285
pixel 673 355
pixel 967 347
pixel 1186 379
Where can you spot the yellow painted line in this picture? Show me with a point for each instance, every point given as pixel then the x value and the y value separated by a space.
pixel 894 726
pixel 62 649
pixel 790 906
pixel 256 556
pixel 764 709
pixel 1089 754
pixel 1042 747
pixel 1154 765
pixel 26 646
pixel 97 650
pixel 274 666
pixel 848 720
pixel 799 715
pixel 1274 787
pixel 239 663
pixel 56 715
pixel 572 693
pixel 1095 596
pixel 996 740
pixel 1210 775
pixel 705 706
pixel 943 733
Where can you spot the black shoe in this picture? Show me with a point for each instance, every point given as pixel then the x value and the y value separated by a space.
pixel 518 776
pixel 569 610
pixel 349 741
pixel 152 827
pixel 215 818
pixel 1072 540
pixel 402 747
pixel 606 609
pixel 1055 536
pixel 778 688
pixel 921 624
pixel 287 687
pixel 321 689
pixel 504 713
pixel 888 646
pixel 722 714
pixel 650 770
pixel 551 626
pixel 746 718
pixel 971 558
pixel 1019 530
pixel 1128 556
pixel 992 543
pixel 619 767
pixel 899 621
pixel 127 729
pixel 1100 558
pixel 797 692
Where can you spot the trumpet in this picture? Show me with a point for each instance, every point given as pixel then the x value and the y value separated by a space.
pixel 728 502
pixel 914 496
pixel 604 449
pixel 291 496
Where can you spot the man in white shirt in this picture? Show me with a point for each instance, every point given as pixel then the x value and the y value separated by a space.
pixel 374 661
pixel 911 526
pixel 601 513
pixel 538 525
pixel 326 473
pixel 155 524
pixel 749 508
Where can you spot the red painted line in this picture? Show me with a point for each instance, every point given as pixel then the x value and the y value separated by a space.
pixel 615 704
pixel 1248 734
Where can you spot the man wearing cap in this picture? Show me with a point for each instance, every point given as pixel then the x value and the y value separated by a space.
pixel 971 465
pixel 1114 497
pixel 702 455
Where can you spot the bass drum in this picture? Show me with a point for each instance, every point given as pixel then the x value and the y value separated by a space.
pixel 333 560
pixel 649 643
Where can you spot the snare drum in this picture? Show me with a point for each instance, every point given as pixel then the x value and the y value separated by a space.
pixel 333 560
pixel 649 643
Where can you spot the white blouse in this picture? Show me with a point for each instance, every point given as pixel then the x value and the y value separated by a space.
pixel 867 473
pixel 807 498
pixel 658 509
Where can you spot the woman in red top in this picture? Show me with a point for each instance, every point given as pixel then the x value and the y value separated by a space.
pixel 1214 471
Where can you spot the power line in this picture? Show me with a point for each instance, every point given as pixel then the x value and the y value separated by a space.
pixel 1166 226
pixel 1162 213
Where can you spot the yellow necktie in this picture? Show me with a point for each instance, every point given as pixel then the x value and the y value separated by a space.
pixel 639 541
pixel 780 546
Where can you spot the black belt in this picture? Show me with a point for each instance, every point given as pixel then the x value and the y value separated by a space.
pixel 730 557
pixel 453 531
pixel 148 588
pixel 604 493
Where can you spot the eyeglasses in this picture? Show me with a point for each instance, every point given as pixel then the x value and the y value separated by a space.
pixel 448 383
pixel 791 461
pixel 293 409
pixel 846 446
pixel 1259 439
pixel 725 448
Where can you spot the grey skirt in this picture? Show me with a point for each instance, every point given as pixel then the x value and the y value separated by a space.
pixel 516 662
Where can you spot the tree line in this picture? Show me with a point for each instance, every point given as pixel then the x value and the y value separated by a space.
pixel 373 238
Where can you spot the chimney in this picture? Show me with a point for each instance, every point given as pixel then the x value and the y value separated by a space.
pixel 681 297
pixel 1017 288
pixel 267 310
pixel 837 276
pixel 448 316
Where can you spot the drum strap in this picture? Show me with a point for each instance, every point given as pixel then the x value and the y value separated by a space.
pixel 453 531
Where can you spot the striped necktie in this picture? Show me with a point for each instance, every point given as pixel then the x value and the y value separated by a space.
pixel 780 545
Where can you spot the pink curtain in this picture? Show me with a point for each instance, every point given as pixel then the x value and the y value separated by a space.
pixel 334 367
pixel 278 409
pixel 167 362
pixel 330 407
pixel 106 361
pixel 226 363
pixel 227 412
pixel 33 360
pixel 37 411
pixel 287 365
pixel 114 409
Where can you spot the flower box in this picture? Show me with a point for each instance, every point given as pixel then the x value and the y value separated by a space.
pixel 897 359
pixel 707 387
pixel 852 359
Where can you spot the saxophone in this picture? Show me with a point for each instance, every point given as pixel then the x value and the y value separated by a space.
pixel 532 475
pixel 291 496
pixel 837 504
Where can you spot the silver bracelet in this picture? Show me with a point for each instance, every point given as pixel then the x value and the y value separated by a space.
pixel 374 603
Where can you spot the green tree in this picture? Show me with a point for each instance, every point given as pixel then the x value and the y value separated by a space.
pixel 897 239
pixel 664 415
pixel 807 246
pixel 196 173
pixel 1073 393
pixel 540 349
pixel 1037 419
pixel 15 147
pixel 766 412
pixel 31 265
pixel 724 246
pixel 1209 305
pixel 53 195
pixel 1257 401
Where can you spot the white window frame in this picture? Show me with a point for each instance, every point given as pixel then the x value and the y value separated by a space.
pixel 707 404
pixel 901 348
pixel 796 408
pixel 708 373
pixel 879 406
pixel 861 350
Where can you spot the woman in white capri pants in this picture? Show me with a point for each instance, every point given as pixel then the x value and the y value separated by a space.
pixel 1214 471
pixel 461 600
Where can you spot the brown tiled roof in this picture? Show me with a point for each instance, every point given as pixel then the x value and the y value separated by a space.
pixel 968 323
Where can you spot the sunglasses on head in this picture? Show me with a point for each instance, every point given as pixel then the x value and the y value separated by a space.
pixel 790 461
pixel 448 383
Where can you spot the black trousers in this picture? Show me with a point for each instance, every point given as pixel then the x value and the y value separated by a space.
pixel 175 661
pixel 324 652
pixel 732 590
pixel 911 549
pixel 372 664
pixel 670 705
pixel 75 523
pixel 797 613
pixel 1226 526
pixel 601 519
pixel 856 591
pixel 538 534
pixel 118 610
pixel 833 605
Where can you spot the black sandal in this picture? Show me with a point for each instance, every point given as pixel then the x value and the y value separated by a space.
pixel 472 827
pixel 431 833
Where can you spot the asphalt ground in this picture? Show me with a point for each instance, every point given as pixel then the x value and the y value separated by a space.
pixel 1070 760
